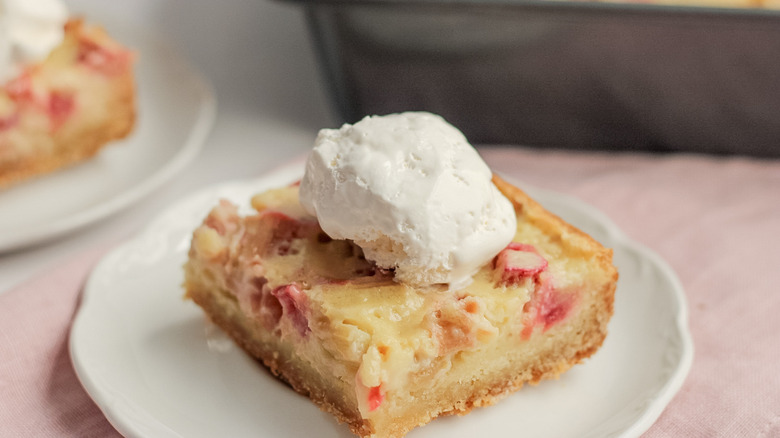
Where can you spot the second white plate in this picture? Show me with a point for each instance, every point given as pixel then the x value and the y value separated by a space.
pixel 176 109
pixel 156 369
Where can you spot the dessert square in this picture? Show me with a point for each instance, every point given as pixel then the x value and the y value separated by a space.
pixel 65 108
pixel 385 356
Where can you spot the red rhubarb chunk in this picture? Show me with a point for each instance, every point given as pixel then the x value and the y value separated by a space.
pixel 375 397
pixel 285 229
pixel 264 304
pixel 548 306
pixel 20 89
pixel 518 261
pixel 61 106
pixel 294 304
pixel 9 121
pixel 102 59
pixel 270 311
pixel 555 308
pixel 223 218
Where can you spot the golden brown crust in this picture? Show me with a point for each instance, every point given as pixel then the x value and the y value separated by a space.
pixel 76 140
pixel 572 239
pixel 67 151
pixel 239 328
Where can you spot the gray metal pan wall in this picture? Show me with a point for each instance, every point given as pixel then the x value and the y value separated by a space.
pixel 558 74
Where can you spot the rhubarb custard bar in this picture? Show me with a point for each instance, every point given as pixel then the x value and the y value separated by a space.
pixel 66 89
pixel 382 319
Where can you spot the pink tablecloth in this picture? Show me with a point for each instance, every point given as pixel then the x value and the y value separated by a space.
pixel 715 220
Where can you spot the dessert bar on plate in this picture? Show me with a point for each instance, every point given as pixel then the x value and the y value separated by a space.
pixel 383 355
pixel 64 108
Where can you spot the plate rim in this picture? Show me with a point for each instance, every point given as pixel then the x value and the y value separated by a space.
pixel 190 148
pixel 128 426
pixel 662 399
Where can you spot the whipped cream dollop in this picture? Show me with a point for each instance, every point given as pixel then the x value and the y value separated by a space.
pixel 412 192
pixel 29 30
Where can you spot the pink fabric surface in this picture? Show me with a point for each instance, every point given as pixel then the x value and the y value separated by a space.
pixel 715 220
pixel 40 395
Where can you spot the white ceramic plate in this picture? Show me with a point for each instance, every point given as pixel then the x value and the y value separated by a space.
pixel 175 112
pixel 157 369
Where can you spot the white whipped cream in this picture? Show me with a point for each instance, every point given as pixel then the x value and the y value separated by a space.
pixel 29 30
pixel 413 193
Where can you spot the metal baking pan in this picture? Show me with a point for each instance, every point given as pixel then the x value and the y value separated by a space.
pixel 560 74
